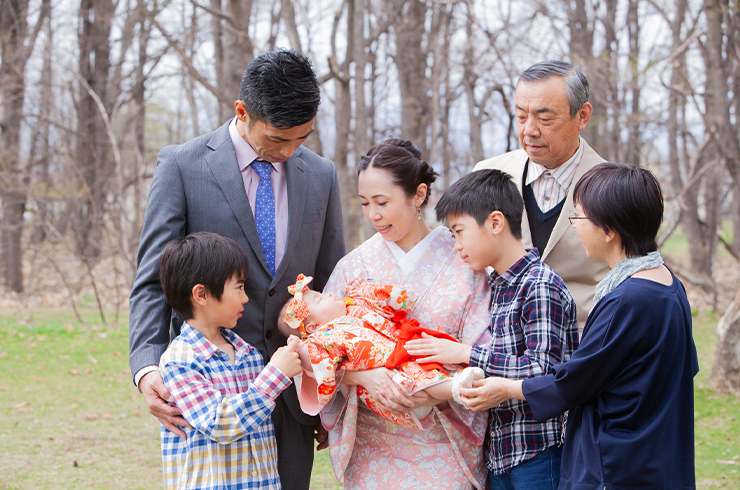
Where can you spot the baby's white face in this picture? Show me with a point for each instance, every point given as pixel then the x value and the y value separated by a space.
pixel 323 308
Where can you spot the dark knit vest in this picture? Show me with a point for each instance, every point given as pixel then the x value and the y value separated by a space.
pixel 540 224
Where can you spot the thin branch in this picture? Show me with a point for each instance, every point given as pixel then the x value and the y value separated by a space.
pixel 189 65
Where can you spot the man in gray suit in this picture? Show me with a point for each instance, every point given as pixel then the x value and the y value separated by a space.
pixel 249 180
pixel 551 109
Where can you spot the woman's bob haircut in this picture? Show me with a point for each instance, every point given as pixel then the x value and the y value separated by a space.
pixel 624 199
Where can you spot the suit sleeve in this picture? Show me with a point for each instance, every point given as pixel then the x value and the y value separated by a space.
pixel 332 238
pixel 164 220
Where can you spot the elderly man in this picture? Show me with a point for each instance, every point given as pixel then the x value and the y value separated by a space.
pixel 552 108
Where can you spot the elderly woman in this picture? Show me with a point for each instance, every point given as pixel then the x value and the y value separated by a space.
pixel 629 386
pixel 368 451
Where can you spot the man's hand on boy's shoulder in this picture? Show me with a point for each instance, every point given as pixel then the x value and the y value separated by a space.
pixel 156 396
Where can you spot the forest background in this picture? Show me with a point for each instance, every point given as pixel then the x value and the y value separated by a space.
pixel 90 90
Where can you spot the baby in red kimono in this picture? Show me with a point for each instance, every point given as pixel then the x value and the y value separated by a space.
pixel 365 330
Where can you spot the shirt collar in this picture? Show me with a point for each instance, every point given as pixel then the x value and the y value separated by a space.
pixel 205 348
pixel 562 174
pixel 515 271
pixel 245 154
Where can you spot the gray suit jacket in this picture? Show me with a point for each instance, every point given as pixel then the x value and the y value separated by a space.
pixel 197 186
pixel 564 251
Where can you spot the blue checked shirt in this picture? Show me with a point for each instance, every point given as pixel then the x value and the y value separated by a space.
pixel 534 327
pixel 232 442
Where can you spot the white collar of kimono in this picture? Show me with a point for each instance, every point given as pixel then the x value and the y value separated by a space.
pixel 407 260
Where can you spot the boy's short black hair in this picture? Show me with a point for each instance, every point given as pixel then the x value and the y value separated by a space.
pixel 480 193
pixel 625 199
pixel 199 258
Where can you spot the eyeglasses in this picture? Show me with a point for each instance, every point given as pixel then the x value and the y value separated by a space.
pixel 574 216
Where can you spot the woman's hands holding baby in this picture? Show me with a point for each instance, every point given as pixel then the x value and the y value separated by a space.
pixel 286 358
pixel 379 383
pixel 432 349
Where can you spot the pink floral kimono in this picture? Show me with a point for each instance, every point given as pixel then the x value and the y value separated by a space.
pixel 373 453
pixel 363 339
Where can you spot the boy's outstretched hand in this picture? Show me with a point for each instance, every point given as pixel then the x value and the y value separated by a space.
pixel 286 358
pixel 432 349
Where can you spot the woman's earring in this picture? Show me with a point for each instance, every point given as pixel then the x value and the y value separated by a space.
pixel 418 213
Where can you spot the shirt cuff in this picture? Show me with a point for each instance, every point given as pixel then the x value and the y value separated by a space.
pixel 141 372
pixel 271 381
pixel 479 357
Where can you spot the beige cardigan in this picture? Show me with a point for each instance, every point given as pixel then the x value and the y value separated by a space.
pixel 564 251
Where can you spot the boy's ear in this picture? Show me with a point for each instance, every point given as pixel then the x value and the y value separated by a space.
pixel 497 222
pixel 199 294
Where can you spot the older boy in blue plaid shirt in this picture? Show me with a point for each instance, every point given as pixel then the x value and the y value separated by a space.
pixel 533 327
pixel 217 380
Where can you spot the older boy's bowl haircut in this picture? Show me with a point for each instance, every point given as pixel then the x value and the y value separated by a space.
pixel 199 258
pixel 624 199
pixel 480 193
pixel 280 88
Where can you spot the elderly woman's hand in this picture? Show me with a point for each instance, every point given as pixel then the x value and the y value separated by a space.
pixel 490 392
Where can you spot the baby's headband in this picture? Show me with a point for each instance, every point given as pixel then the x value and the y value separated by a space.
pixel 297 310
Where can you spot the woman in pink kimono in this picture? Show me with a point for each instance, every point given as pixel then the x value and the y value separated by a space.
pixel 368 451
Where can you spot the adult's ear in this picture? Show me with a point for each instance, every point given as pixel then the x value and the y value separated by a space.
pixel 421 195
pixel 584 114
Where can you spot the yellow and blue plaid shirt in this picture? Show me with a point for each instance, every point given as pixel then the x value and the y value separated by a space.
pixel 232 442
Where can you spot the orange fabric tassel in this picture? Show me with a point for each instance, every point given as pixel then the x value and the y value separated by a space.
pixel 410 330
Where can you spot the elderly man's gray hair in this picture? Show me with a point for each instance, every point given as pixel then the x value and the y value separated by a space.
pixel 576 85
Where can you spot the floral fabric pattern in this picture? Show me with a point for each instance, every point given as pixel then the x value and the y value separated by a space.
pixel 369 451
pixel 364 339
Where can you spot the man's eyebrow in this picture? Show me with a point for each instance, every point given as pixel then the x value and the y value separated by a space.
pixel 285 139
pixel 537 111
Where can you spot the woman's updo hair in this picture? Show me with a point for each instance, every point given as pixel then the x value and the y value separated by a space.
pixel 625 199
pixel 401 159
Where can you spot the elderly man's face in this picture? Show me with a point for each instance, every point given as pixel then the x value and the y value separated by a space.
pixel 546 130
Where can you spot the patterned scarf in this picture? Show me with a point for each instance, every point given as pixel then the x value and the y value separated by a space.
pixel 625 269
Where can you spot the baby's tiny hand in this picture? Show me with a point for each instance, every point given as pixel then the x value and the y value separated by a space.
pixel 355 284
pixel 286 358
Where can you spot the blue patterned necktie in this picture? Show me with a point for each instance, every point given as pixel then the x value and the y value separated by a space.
pixel 264 212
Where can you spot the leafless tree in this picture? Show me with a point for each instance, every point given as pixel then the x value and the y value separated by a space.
pixel 20 28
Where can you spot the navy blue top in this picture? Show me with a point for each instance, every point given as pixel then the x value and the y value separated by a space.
pixel 629 389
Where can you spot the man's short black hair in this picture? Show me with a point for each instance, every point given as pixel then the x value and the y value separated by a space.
pixel 625 199
pixel 199 258
pixel 280 88
pixel 480 193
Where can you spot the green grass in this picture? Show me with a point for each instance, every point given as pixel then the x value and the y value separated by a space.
pixel 70 417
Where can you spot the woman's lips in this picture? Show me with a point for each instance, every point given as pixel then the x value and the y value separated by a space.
pixel 383 229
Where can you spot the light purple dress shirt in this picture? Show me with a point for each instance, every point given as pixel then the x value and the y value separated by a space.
pixel 245 155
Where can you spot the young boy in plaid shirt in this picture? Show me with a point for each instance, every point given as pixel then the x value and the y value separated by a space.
pixel 533 327
pixel 218 381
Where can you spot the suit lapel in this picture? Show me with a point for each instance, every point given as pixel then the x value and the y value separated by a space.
pixel 225 170
pixel 295 175
pixel 588 160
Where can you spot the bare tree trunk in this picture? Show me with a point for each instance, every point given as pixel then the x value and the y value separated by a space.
pixel 93 146
pixel 408 17
pixel 632 155
pixel 721 66
pixel 16 45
